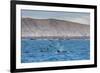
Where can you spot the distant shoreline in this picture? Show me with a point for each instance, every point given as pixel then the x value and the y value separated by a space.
pixel 53 29
pixel 84 37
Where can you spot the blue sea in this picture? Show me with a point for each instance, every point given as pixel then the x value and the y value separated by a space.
pixel 42 50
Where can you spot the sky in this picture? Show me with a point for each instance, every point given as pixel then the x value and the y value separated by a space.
pixel 79 17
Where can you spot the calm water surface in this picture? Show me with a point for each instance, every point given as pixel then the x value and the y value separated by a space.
pixel 41 50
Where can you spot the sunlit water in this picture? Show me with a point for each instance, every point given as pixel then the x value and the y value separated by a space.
pixel 42 50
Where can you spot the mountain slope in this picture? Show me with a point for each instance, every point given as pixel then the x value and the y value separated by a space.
pixel 53 28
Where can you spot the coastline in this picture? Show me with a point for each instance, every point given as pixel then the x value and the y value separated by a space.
pixel 68 38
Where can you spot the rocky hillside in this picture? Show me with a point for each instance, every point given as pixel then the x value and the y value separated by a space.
pixel 53 28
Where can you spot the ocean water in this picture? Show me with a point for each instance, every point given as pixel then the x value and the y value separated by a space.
pixel 42 50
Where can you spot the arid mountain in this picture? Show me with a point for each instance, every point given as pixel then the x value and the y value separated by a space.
pixel 53 28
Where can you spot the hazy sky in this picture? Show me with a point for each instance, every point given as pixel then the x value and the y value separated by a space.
pixel 82 17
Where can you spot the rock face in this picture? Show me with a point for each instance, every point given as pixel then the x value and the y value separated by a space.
pixel 52 28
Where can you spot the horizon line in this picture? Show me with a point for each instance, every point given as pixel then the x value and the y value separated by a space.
pixel 54 19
